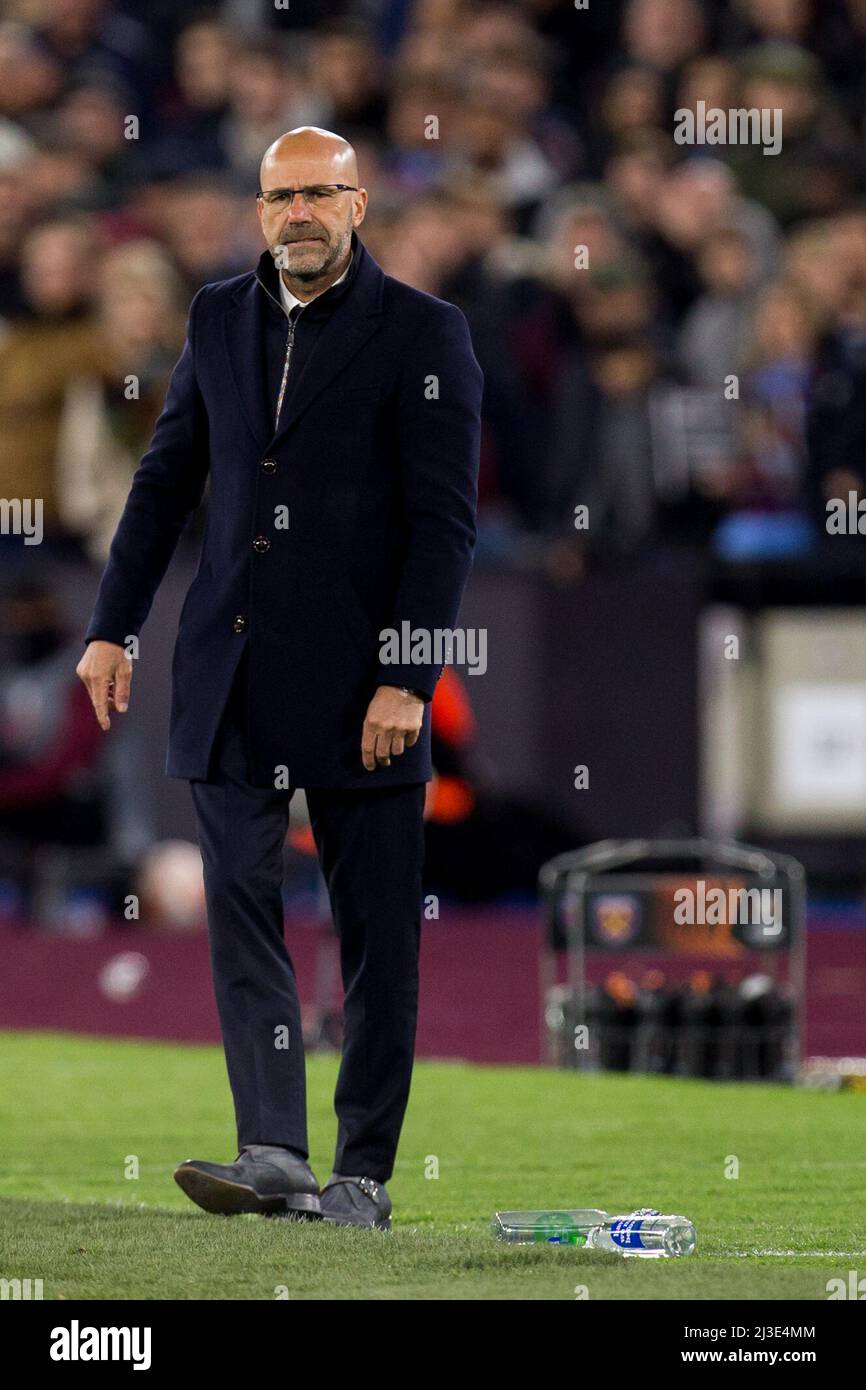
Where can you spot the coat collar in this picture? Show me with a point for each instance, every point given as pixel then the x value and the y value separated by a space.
pixel 268 276
pixel 350 322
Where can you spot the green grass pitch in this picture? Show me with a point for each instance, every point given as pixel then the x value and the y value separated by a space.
pixel 75 1112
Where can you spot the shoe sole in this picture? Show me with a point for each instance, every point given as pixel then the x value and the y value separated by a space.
pixel 382 1225
pixel 224 1198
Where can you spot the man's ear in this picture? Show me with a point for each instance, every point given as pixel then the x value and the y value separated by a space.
pixel 360 208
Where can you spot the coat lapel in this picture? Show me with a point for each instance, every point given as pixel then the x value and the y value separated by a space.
pixel 243 327
pixel 351 324
pixel 340 339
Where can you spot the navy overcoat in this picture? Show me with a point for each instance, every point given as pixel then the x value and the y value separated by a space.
pixel 357 515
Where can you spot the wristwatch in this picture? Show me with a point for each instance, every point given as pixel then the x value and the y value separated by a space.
pixel 408 690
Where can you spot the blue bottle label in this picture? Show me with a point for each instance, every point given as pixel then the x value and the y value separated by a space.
pixel 626 1234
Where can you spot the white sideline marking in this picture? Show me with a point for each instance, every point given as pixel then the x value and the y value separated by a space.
pixel 796 1254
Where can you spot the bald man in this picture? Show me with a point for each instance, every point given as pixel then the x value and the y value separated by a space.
pixel 335 412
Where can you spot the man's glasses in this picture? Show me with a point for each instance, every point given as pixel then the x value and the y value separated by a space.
pixel 318 195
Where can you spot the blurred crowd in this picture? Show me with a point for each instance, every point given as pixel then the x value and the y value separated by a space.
pixel 673 336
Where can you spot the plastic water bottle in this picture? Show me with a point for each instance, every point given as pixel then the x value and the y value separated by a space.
pixel 546 1227
pixel 645 1234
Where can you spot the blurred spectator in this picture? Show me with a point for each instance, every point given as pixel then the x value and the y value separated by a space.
pixel 439 245
pixel 15 207
pixel 270 91
pixel 816 141
pixel 601 444
pixel 518 79
pixel 348 72
pixel 94 37
pixel 200 220
pixel 194 102
pixel 62 178
pixel 39 352
pixel 779 372
pixel 710 79
pixel 697 198
pixel 715 333
pixel 58 266
pixel 663 33
pixel 635 174
pixel 31 78
pixel 108 416
pixel 90 125
pixel 632 102
pixel 836 427
pixel 412 160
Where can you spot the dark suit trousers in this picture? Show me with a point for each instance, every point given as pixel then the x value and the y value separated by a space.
pixel 371 847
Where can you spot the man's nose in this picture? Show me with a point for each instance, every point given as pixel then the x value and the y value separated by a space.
pixel 299 212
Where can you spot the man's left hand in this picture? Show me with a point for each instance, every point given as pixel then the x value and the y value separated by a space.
pixel 393 722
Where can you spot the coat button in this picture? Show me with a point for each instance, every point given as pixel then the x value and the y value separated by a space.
pixel 240 623
pixel 269 465
pixel 261 544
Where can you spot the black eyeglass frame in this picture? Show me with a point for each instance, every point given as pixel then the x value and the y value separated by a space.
pixel 264 194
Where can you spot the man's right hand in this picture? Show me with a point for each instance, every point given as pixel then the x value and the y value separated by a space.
pixel 106 670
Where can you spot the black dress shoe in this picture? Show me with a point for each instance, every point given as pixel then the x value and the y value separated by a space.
pixel 264 1179
pixel 356 1202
